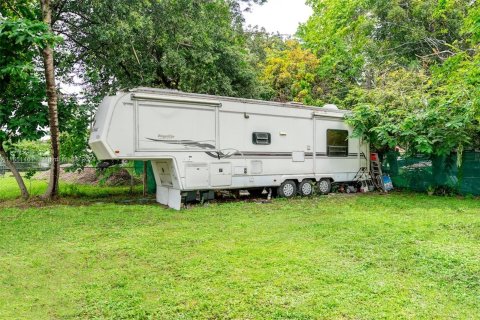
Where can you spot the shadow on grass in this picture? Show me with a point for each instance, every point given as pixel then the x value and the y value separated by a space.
pixel 80 200
pixel 70 194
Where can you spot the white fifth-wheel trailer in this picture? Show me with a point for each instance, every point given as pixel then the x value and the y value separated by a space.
pixel 198 143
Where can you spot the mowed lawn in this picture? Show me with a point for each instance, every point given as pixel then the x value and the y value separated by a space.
pixel 332 257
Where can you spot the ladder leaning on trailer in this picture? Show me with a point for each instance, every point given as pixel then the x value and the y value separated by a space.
pixel 373 178
pixel 364 179
pixel 376 172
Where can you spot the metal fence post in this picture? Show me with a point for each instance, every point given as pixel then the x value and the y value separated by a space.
pixel 145 178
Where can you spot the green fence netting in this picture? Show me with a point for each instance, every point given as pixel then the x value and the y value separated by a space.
pixel 425 173
pixel 151 185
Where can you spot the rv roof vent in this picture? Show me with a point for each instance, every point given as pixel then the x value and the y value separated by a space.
pixel 330 107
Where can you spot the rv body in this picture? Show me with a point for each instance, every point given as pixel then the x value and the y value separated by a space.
pixel 200 142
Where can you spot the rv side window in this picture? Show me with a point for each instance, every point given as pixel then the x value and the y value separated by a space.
pixel 337 143
pixel 261 138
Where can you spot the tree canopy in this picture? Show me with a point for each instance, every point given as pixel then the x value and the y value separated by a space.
pixel 408 68
pixel 194 46
pixel 22 113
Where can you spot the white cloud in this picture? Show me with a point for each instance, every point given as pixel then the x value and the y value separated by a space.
pixel 281 16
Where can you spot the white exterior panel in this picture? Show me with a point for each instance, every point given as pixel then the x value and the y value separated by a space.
pixel 159 129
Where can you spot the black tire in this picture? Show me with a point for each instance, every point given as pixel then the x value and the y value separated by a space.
pixel 324 186
pixel 305 189
pixel 287 189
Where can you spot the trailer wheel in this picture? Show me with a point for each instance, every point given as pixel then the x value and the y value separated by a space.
pixel 305 188
pixel 287 189
pixel 324 186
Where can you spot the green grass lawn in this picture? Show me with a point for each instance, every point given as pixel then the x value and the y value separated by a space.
pixel 334 257
pixel 9 189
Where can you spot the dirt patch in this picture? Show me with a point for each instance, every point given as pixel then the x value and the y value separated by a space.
pixel 90 176
pixel 121 178
pixel 86 176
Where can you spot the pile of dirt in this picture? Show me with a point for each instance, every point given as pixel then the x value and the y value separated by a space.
pixel 90 176
pixel 121 178
pixel 86 176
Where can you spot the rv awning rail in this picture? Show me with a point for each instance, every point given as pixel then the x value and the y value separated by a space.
pixel 328 114
pixel 180 100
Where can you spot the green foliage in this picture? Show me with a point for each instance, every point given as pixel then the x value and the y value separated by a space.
pixel 75 120
pixel 22 114
pixel 290 73
pixel 406 109
pixel 29 174
pixel 27 149
pixel 337 34
pixel 409 69
pixel 259 42
pixel 193 46
pixel 472 24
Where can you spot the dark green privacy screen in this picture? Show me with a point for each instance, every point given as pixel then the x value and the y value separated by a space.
pixel 422 173
pixel 151 185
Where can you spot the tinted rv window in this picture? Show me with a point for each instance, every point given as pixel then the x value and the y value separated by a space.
pixel 261 138
pixel 337 143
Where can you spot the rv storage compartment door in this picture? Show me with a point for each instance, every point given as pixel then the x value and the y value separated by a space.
pixel 220 174
pixel 298 156
pixel 196 175
pixel 171 126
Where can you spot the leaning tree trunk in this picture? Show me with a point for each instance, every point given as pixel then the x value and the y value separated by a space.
pixel 16 174
pixel 52 190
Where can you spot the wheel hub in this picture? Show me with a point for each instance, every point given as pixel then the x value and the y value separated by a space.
pixel 288 190
pixel 307 189
pixel 323 186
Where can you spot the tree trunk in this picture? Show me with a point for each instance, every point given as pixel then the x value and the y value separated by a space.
pixel 52 189
pixel 16 174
